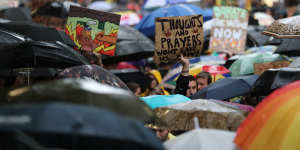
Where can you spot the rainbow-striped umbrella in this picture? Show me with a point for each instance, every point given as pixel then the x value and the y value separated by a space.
pixel 275 122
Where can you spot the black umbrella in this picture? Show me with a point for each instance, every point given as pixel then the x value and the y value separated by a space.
pixel 37 32
pixel 55 9
pixel 40 54
pixel 17 14
pixel 273 79
pixel 255 34
pixel 7 38
pixel 131 45
pixel 227 88
pixel 87 92
pixel 65 126
pixel 290 47
pixel 131 75
pixel 93 72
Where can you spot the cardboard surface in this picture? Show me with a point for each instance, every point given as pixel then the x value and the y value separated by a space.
pixel 178 35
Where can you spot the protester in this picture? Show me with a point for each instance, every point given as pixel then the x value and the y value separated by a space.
pixel 156 78
pixel 185 84
pixel 164 135
pixel 203 79
pixel 135 88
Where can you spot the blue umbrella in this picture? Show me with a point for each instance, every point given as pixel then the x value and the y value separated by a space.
pixel 147 24
pixel 227 88
pixel 155 101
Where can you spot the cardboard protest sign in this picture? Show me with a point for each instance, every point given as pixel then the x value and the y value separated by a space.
pixel 259 68
pixel 178 35
pixel 93 30
pixel 229 29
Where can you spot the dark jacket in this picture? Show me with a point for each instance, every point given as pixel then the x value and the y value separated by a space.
pixel 182 84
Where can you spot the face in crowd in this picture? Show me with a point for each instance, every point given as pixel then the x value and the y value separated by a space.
pixel 192 88
pixel 201 83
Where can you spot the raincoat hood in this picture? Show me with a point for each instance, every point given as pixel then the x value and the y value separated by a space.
pixel 157 75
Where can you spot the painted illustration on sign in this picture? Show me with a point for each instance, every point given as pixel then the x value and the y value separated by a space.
pixel 229 30
pixel 93 30
pixel 178 35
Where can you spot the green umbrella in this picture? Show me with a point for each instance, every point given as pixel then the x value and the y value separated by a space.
pixel 245 64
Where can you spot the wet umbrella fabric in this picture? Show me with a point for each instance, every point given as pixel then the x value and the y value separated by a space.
pixel 17 14
pixel 37 32
pixel 87 92
pixel 93 72
pixel 147 24
pixel 203 139
pixel 40 54
pixel 68 126
pixel 273 79
pixel 7 38
pixel 227 88
pixel 244 65
pixel 131 45
pixel 289 47
pixel 209 113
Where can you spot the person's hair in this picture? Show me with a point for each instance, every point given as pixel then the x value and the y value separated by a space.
pixel 204 75
pixel 191 78
pixel 133 86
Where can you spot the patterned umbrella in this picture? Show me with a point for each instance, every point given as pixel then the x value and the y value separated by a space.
pixel 93 72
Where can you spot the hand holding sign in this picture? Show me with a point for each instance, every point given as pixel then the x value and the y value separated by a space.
pixel 178 35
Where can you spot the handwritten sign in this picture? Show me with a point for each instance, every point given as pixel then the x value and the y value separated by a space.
pixel 92 30
pixel 259 68
pixel 178 35
pixel 229 30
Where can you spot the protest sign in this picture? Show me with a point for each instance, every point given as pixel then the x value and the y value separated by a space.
pixel 93 30
pixel 229 30
pixel 178 35
pixel 259 68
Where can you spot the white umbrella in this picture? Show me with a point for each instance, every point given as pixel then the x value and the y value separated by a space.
pixel 102 6
pixel 203 139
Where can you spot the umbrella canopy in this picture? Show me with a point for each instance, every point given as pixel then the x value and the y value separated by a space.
pixel 278 113
pixel 93 72
pixel 155 101
pixel 289 47
pixel 227 88
pixel 261 49
pixel 17 14
pixel 7 38
pixel 87 92
pixel 147 24
pixel 273 79
pixel 210 115
pixel 68 126
pixel 295 63
pixel 284 28
pixel 131 45
pixel 40 54
pixel 254 33
pixel 129 18
pixel 37 32
pixel 202 139
pixel 133 75
pixel 244 65
pixel 102 6
pixel 264 19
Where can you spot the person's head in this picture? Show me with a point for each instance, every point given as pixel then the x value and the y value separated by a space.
pixel 192 86
pixel 162 134
pixel 203 79
pixel 155 78
pixel 135 88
